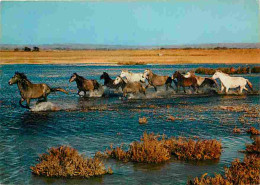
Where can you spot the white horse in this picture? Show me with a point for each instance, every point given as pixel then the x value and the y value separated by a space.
pixel 232 82
pixel 132 77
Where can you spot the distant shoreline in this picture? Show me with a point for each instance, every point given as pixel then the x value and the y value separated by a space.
pixel 133 57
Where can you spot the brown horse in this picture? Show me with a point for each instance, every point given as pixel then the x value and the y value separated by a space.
pixel 156 80
pixel 30 91
pixel 202 81
pixel 84 84
pixel 185 82
pixel 131 87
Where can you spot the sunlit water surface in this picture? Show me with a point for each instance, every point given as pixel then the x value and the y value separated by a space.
pixel 92 124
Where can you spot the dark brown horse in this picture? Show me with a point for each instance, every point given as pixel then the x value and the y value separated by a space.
pixel 185 82
pixel 84 84
pixel 30 91
pixel 108 82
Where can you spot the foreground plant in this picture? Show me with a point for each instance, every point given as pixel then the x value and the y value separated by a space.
pixel 156 149
pixel 66 162
pixel 246 172
pixel 254 148
pixel 149 150
pixel 253 131
pixel 189 149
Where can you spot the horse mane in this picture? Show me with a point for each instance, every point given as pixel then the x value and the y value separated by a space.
pixel 22 75
pixel 80 77
pixel 222 73
pixel 24 80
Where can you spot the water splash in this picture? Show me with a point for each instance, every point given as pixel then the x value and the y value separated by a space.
pixel 45 106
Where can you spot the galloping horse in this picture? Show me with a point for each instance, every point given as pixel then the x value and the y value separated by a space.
pixel 30 91
pixel 232 82
pixel 185 82
pixel 131 87
pixel 132 77
pixel 202 81
pixel 108 82
pixel 156 80
pixel 84 84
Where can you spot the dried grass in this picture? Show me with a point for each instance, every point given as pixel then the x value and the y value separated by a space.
pixel 246 172
pixel 67 162
pixel 253 131
pixel 143 120
pixel 157 149
pixel 149 150
pixel 236 130
pixel 254 148
pixel 189 149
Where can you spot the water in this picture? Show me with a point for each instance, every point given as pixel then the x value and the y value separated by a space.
pixel 92 124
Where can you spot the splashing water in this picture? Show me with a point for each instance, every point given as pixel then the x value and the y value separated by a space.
pixel 45 106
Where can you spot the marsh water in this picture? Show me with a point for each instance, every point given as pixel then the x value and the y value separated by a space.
pixel 92 124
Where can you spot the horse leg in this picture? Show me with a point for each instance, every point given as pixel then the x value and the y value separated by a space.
pixel 194 89
pixel 222 87
pixel 184 89
pixel 28 103
pixel 178 88
pixel 20 103
pixel 155 88
pixel 227 90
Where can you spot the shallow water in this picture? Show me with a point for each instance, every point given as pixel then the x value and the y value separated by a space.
pixel 92 124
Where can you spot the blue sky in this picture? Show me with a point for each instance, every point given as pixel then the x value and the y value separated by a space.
pixel 130 23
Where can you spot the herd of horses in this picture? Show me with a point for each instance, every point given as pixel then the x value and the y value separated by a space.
pixel 129 82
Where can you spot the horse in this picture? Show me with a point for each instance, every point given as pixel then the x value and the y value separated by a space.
pixel 131 87
pixel 132 77
pixel 108 82
pixel 202 81
pixel 156 80
pixel 84 84
pixel 29 91
pixel 232 82
pixel 185 82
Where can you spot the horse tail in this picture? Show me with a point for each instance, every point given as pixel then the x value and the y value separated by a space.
pixel 59 89
pixel 249 84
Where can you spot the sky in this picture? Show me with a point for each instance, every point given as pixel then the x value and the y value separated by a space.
pixel 138 23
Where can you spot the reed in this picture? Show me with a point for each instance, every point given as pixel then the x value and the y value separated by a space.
pixel 254 148
pixel 189 149
pixel 67 162
pixel 149 150
pixel 236 130
pixel 253 131
pixel 245 172
pixel 142 120
pixel 157 149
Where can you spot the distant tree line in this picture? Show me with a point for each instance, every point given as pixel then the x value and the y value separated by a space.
pixel 27 49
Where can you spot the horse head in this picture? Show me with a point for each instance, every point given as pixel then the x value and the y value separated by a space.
pixel 216 74
pixel 118 80
pixel 103 76
pixel 123 73
pixel 16 78
pixel 146 74
pixel 175 75
pixel 73 77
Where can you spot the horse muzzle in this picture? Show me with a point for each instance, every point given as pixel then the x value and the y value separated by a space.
pixel 10 83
